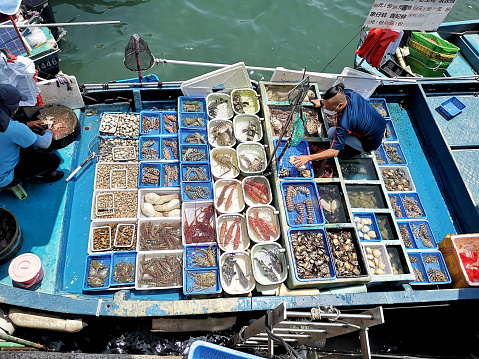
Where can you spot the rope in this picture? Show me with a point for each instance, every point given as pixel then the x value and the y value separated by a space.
pixel 291 352
pixel 334 58
pixel 316 313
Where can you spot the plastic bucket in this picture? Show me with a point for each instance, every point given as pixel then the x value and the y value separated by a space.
pixel 26 270
pixel 12 232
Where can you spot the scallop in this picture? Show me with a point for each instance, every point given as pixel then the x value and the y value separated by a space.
pixel 379 271
pixel 369 250
pixel 370 257
pixel 365 229
pixel 361 234
pixel 376 262
pixel 366 221
pixel 359 225
pixel 372 234
pixel 382 265
pixel 377 253
pixel 395 272
pixel 357 219
pixel 366 237
pixel 371 264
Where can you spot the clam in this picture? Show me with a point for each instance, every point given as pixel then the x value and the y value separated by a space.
pixel 366 221
pixel 365 229
pixel 369 250
pixel 379 271
pixel 377 253
pixel 366 237
pixel 372 234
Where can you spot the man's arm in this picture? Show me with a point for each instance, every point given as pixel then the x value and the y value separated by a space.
pixel 301 160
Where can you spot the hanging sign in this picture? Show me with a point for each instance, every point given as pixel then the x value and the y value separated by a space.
pixel 424 15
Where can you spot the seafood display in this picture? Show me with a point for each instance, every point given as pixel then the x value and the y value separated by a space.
pixel 160 205
pixel 232 232
pixel 313 124
pixel 268 263
pixel 101 238
pixel 195 138
pixel 380 156
pixel 150 124
pixel 193 121
pixel 219 106
pixel 345 255
pixel 197 192
pixel 366 227
pixel 392 151
pixel 224 163
pixel 421 232
pixel 158 271
pixel 110 176
pixel 365 196
pixel 405 235
pixel 228 196
pixel 159 235
pixel 120 124
pixel 201 257
pixel 220 133
pixel 262 223
pixel 97 273
pixel 149 149
pixel 171 175
pixel 195 173
pixel 118 149
pixel 124 235
pixel 380 106
pixel 114 236
pixel 395 180
pixel 118 204
pixel 358 169
pixel 191 105
pixel 245 101
pixel 385 225
pixel 311 255
pixel 396 205
pixel 378 261
pixel 170 149
pixel 299 200
pixel 279 93
pixel 332 204
pixel 170 122
pixel 193 154
pixel 247 128
pixel 256 190
pixel 236 272
pixel 150 175
pixel 412 206
pixel 124 272
pixel 198 224
pixel 251 157
pixel 397 265
pixel 435 275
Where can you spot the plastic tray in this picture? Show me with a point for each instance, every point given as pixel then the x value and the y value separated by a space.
pixel 200 349
pixel 163 148
pixel 411 237
pixel 190 211
pixel 384 258
pixel 381 157
pixel 191 288
pixel 219 172
pixel 399 152
pixel 243 261
pixel 106 260
pixel 207 252
pixel 415 197
pixel 372 227
pixel 244 238
pixel 106 223
pixel 420 245
pixel 112 130
pixel 92 235
pixel 301 149
pixel 157 254
pixel 200 148
pixel 119 257
pixel 212 140
pixel 419 266
pixel 183 99
pixel 143 166
pixel 267 213
pixel 452 107
pixel 154 222
pixel 156 146
pixel 240 124
pixel 215 96
pixel 407 175
pixel 185 132
pixel 201 116
pixel 163 130
pixel 398 204
pixel 159 191
pixel 251 150
pixel 173 182
pixel 131 173
pixel 184 168
pixel 115 212
pixel 207 184
pixel 393 136
pixel 130 240
pixel 263 252
pixel 251 201
pixel 383 105
pixel 332 270
pixel 237 199
pixel 439 265
pixel 149 115
pixel 318 216
pixel 249 108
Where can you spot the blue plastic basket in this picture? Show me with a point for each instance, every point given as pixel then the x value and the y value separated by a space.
pixel 393 136
pixel 149 115
pixel 318 216
pixel 193 251
pixel 381 157
pixel 163 130
pixel 451 107
pixel 301 149
pixel 419 265
pixel 399 204
pixel 201 349
pixel 143 165
pixel 200 148
pixel 173 182
pixel 415 197
pixel 183 99
pixel 411 237
pixel 327 252
pixel 191 288
pixel 399 152
pixel 106 260
pixel 382 104
pixel 185 115
pixel 420 245
pixel 440 264
pixel 125 257
pixel 184 167
pixel 174 139
pixel 207 184
pixel 185 132
pixel 373 227
pixel 156 146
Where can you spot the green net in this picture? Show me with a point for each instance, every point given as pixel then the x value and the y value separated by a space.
pixel 298 129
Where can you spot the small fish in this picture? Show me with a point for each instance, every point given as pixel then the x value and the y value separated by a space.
pixel 269 272
pixel 275 261
pixel 228 269
pixel 244 280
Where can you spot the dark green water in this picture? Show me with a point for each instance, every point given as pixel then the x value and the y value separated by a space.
pixel 266 33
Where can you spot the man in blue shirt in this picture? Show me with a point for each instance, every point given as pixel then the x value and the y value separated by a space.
pixel 18 160
pixel 359 128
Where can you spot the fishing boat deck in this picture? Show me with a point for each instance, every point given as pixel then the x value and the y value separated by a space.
pixel 55 220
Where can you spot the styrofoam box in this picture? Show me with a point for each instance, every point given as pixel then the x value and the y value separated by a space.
pixel 244 238
pixel 267 213
pixel 157 254
pixel 113 191
pixel 156 221
pixel 129 166
pixel 189 211
pixel 251 150
pixel 407 176
pixel 100 223
pixel 384 258
pixel 212 140
pixel 237 200
pixel 243 260
pixel 219 172
pixel 159 191
pixel 240 123
pixel 258 251
pixel 262 180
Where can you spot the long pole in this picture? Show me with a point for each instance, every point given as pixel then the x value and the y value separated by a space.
pixel 18 34
pixel 21 26
pixel 210 64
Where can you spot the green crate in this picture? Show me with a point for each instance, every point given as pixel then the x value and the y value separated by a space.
pixel 442 46
pixel 422 65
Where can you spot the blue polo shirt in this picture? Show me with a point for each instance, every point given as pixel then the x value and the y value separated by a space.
pixel 359 118
pixel 15 136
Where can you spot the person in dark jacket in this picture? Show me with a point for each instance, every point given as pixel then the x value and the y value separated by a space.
pixel 21 156
pixel 359 128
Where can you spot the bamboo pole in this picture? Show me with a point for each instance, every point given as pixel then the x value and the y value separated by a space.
pixel 9 338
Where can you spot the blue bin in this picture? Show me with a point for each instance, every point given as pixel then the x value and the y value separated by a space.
pixel 173 182
pixel 153 165
pixel 184 116
pixel 193 251
pixel 373 227
pixel 155 146
pixel 327 252
pixel 125 257
pixel 380 103
pixel 439 264
pixel 186 177
pixel 301 149
pixel 399 152
pixel 191 288
pixel 402 211
pixel 104 259
pixel 164 125
pixel 169 149
pixel 318 216
pixel 381 157
pixel 415 197
pixel 416 228
pixel 199 148
pixel 200 349
pixel 416 263
pixel 411 245
pixel 185 132
pixel 183 100
pixel 393 135
pixel 451 107
pixel 207 184
pixel 150 115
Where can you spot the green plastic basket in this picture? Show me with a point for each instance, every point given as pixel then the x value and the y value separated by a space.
pixel 422 65
pixel 442 46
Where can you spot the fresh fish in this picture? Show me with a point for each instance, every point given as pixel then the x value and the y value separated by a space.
pixel 269 272
pixel 244 280
pixel 275 261
pixel 228 269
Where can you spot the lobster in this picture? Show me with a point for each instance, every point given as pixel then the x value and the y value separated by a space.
pixel 257 191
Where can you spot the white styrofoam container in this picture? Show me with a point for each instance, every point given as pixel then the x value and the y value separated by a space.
pixel 115 203
pixel 258 252
pixel 251 95
pixel 158 254
pixel 243 260
pixel 217 171
pixel 101 223
pixel 226 106
pixel 156 221
pixel 267 213
pixel 262 180
pixel 190 211
pixel 240 123
pixel 213 142
pixel 251 150
pixel 159 191
pixel 407 175
pixel 383 258
pixel 237 200
pixel 125 165
pixel 229 219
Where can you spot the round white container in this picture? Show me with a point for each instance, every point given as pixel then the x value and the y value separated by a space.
pixel 241 123
pixel 217 169
pixel 270 215
pixel 224 110
pixel 237 199
pixel 213 140
pixel 248 101
pixel 259 251
pixel 229 219
pixel 243 261
pixel 250 201
pixel 248 152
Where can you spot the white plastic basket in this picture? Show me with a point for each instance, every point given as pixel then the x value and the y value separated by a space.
pixel 129 153
pixel 270 215
pixel 229 219
pixel 248 152
pixel 243 261
pixel 237 199
pixel 221 172
pixel 241 123
pixel 117 233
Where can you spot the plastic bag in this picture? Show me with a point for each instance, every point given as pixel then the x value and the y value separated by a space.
pixel 468 257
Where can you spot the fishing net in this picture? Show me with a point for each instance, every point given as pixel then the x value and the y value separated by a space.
pixel 138 56
pixel 298 129
pixel 299 92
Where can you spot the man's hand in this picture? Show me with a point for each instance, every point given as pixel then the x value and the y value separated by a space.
pixel 316 103
pixel 37 126
pixel 301 160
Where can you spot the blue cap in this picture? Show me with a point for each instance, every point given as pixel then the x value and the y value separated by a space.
pixel 9 95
